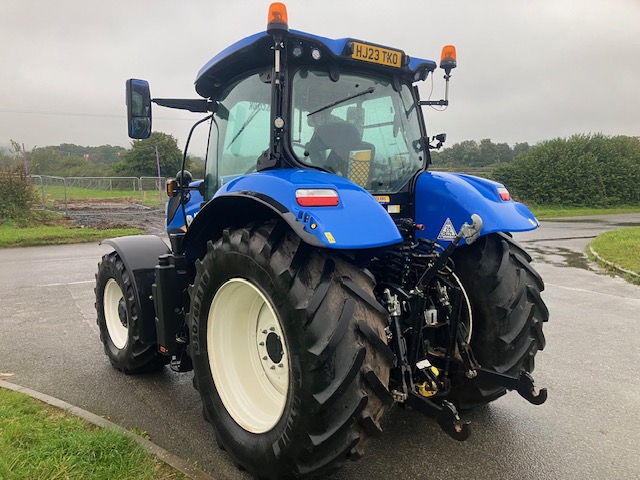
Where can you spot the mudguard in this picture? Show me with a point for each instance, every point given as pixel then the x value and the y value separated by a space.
pixel 140 256
pixel 445 201
pixel 357 222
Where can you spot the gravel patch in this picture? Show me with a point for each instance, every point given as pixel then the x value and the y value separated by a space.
pixel 150 220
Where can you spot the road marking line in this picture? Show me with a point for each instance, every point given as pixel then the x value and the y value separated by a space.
pixel 65 284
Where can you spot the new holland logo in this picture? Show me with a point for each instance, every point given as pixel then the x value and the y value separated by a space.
pixel 448 232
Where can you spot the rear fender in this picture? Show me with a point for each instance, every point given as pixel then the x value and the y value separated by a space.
pixel 445 201
pixel 357 222
pixel 140 257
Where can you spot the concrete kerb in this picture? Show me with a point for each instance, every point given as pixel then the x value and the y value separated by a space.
pixel 613 265
pixel 167 457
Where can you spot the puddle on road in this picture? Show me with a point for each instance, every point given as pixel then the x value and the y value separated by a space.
pixel 560 256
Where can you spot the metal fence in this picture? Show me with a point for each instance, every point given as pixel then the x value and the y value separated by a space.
pixel 74 194
pixel 69 194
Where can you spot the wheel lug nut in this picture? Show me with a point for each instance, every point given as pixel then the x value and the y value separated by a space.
pixel 264 358
pixel 273 329
pixel 273 367
pixel 261 344
pixel 264 332
pixel 280 365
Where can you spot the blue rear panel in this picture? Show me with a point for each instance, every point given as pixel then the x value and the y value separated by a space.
pixel 445 201
pixel 358 222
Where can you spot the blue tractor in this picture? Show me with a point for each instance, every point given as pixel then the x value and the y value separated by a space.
pixel 320 273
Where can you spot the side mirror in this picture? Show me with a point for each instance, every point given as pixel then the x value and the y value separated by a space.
pixel 138 97
pixel 184 178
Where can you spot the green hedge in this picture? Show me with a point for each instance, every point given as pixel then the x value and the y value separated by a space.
pixel 582 170
pixel 17 195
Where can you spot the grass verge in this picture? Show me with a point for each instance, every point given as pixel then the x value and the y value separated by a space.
pixel 51 229
pixel 620 247
pixel 543 212
pixel 39 441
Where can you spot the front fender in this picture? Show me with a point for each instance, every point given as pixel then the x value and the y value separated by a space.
pixel 140 256
pixel 445 201
pixel 357 222
pixel 175 220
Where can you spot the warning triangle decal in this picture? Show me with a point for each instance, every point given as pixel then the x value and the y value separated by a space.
pixel 448 232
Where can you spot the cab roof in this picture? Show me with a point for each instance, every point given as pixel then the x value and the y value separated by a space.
pixel 255 52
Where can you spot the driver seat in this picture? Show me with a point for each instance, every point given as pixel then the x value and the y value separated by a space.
pixel 353 161
pixel 348 155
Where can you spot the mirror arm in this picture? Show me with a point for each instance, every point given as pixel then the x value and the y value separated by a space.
pixel 197 106
pixel 442 103
pixel 445 102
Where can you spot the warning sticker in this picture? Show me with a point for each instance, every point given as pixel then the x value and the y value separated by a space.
pixel 329 237
pixel 448 232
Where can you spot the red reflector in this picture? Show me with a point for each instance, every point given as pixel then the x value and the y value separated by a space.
pixel 504 194
pixel 317 197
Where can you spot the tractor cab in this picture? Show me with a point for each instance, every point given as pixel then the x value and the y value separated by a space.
pixel 289 99
pixel 338 120
pixel 339 106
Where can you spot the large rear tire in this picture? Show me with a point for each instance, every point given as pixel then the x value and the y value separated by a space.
pixel 508 313
pixel 118 313
pixel 289 352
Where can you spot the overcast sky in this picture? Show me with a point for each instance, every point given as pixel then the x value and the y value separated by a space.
pixel 528 70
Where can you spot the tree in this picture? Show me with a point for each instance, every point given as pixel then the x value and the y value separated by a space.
pixel 140 160
pixel 196 166
pixel 520 148
pixel 55 161
pixel 17 193
pixel 464 153
pixel 488 153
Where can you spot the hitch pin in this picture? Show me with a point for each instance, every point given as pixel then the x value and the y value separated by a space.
pixel 471 232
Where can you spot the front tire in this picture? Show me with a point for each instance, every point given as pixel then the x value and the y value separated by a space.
pixel 288 347
pixel 118 313
pixel 508 314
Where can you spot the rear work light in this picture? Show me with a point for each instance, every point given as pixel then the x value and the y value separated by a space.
pixel 317 197
pixel 504 194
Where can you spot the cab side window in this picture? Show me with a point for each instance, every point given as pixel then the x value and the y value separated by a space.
pixel 240 133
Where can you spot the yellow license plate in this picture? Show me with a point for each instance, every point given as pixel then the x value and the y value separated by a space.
pixel 373 54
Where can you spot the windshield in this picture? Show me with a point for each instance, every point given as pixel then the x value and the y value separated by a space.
pixel 357 127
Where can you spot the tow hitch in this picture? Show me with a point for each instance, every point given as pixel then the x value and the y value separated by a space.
pixel 446 416
pixel 523 384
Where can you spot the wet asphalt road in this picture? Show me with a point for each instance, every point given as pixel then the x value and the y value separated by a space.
pixel 588 429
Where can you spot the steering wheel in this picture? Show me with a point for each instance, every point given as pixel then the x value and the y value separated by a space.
pixel 301 146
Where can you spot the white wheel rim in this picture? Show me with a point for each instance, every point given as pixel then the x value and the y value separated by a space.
pixel 111 302
pixel 248 356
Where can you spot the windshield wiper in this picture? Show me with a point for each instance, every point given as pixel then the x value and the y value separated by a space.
pixel 338 102
pixel 251 117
